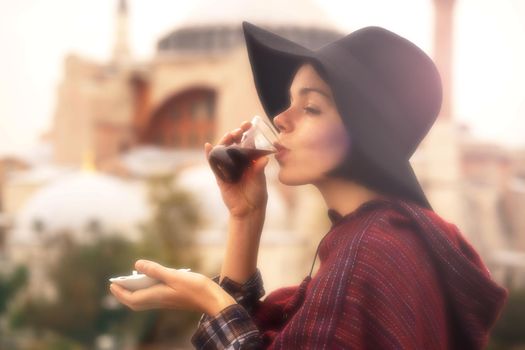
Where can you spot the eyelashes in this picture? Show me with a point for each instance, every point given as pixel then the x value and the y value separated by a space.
pixel 311 110
pixel 307 109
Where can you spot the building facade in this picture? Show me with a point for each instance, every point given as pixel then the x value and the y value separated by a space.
pixel 133 117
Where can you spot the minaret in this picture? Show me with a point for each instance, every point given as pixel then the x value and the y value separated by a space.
pixel 443 52
pixel 437 163
pixel 121 52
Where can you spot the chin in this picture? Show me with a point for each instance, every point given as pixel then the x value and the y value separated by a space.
pixel 293 178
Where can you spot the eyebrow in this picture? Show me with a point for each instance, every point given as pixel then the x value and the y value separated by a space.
pixel 305 90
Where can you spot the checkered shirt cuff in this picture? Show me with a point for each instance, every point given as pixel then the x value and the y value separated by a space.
pixel 232 328
pixel 247 294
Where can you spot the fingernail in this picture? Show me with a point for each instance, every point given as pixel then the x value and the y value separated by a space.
pixel 140 264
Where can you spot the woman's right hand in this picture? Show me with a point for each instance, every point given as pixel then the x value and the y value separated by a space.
pixel 249 196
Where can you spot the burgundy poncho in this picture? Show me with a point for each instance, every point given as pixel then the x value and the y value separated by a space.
pixel 392 276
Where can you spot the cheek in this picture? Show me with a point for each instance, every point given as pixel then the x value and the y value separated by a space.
pixel 318 151
pixel 328 147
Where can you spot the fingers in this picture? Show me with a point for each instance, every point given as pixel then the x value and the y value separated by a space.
pixel 234 136
pixel 122 294
pixel 155 270
pixel 142 299
pixel 260 164
pixel 207 149
pixel 245 125
pixel 231 137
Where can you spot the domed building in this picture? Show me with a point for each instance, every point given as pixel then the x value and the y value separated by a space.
pixel 142 119
pixel 82 203
pixel 197 86
pixel 281 244
pixel 215 27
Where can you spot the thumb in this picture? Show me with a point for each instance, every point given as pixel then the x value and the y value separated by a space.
pixel 207 149
pixel 154 270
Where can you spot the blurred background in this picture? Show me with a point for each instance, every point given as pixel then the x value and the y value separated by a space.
pixel 104 110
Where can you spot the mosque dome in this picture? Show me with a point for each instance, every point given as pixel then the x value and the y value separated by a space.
pixel 215 26
pixel 82 202
pixel 199 181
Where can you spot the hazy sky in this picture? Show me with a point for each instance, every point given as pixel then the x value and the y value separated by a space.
pixel 35 35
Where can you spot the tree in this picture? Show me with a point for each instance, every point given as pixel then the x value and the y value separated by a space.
pixel 80 272
pixel 10 284
pixel 508 333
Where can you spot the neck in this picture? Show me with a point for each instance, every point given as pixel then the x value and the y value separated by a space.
pixel 344 196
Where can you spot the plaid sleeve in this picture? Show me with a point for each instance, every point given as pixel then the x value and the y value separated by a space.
pixel 232 328
pixel 247 294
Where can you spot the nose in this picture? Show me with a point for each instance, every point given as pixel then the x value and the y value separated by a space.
pixel 283 122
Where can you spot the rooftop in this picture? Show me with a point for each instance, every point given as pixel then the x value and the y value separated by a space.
pixel 216 26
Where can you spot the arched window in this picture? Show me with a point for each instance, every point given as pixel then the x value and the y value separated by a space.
pixel 186 120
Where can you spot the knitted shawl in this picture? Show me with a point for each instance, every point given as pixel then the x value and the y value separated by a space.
pixel 392 275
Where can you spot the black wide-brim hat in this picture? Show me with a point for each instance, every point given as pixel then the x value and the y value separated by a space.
pixel 386 89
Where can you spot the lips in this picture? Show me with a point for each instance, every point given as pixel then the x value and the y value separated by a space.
pixel 281 151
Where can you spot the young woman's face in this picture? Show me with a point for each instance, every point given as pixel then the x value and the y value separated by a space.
pixel 312 134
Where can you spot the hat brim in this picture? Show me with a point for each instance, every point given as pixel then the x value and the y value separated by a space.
pixel 274 61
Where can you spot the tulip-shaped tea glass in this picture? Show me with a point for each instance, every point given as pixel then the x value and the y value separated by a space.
pixel 230 162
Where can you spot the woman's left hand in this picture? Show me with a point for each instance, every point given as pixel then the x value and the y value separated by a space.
pixel 181 290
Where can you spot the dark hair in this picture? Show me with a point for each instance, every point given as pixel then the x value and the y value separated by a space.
pixel 356 166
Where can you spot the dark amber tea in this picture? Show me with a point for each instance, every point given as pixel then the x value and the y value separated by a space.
pixel 230 162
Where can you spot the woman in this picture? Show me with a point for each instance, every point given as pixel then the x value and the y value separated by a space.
pixel 393 274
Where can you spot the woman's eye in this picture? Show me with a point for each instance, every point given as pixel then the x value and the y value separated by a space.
pixel 311 110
